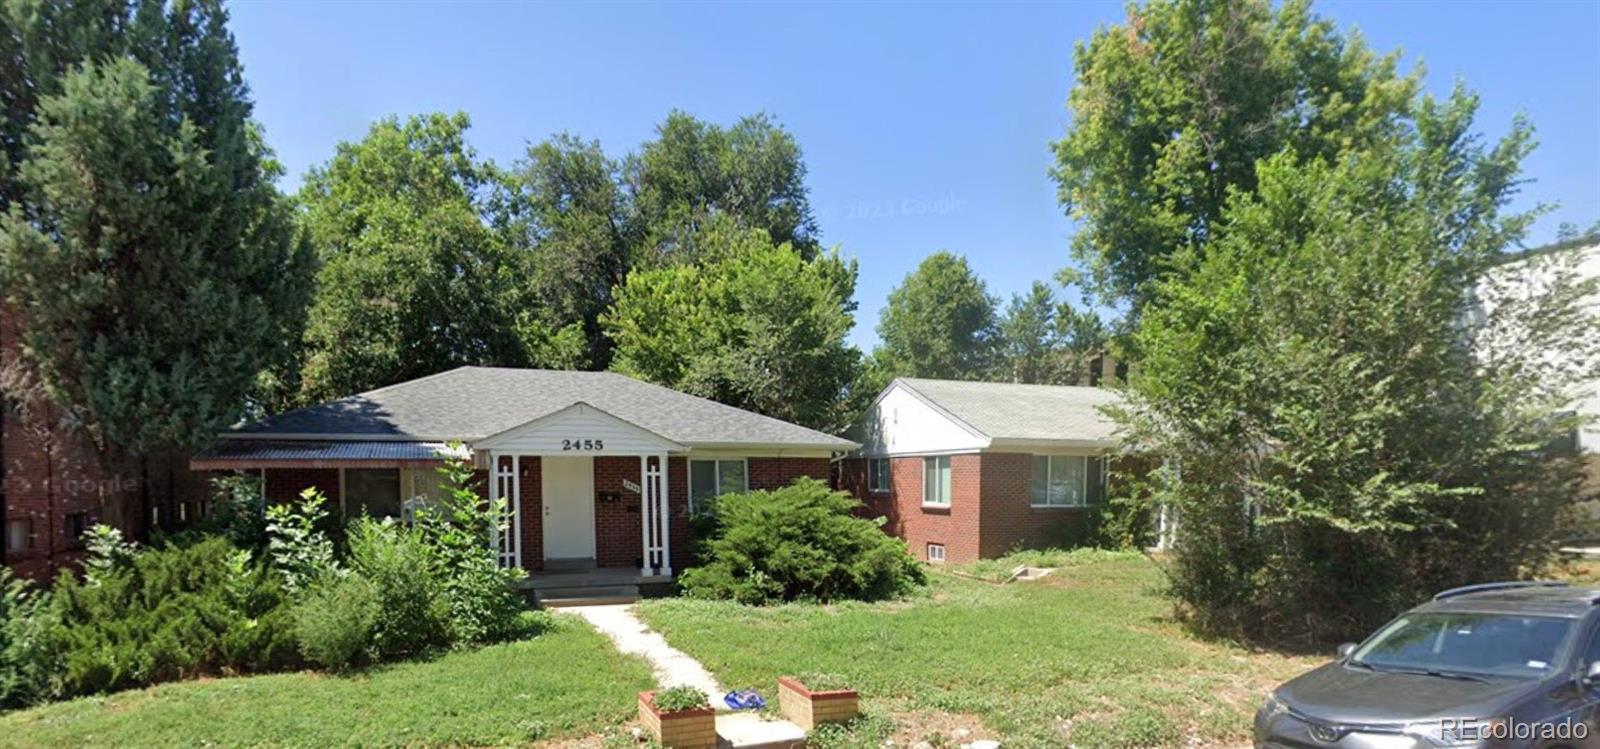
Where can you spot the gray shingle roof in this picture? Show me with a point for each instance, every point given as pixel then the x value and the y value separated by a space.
pixel 225 450
pixel 470 403
pixel 1009 411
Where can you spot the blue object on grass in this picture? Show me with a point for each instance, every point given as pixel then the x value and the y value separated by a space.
pixel 747 699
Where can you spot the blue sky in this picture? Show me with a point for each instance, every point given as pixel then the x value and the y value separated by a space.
pixel 925 127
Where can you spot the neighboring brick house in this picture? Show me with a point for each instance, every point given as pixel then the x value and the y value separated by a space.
pixel 972 470
pixel 55 483
pixel 601 469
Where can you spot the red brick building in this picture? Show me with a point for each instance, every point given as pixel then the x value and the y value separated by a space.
pixel 600 471
pixel 972 470
pixel 55 483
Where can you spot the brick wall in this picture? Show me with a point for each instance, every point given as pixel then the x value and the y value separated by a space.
pixel 956 526
pixel 1010 521
pixel 775 473
pixel 617 526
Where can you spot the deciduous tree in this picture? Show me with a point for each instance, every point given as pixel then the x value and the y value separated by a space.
pixel 1332 430
pixel 415 276
pixel 940 323
pixel 752 324
pixel 1172 109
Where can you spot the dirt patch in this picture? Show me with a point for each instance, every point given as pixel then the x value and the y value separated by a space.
pixel 936 729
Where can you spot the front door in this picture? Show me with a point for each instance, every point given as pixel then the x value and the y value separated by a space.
pixel 567 488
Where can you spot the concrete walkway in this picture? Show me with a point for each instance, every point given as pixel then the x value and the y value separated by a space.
pixel 672 666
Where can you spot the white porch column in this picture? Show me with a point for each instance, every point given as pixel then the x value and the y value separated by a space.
pixel 494 495
pixel 644 514
pixel 666 518
pixel 514 510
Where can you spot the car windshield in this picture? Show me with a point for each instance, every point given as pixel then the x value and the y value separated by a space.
pixel 1467 643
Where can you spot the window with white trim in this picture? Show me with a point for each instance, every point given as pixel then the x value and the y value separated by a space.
pixel 709 479
pixel 936 552
pixel 936 480
pixel 878 475
pixel 1060 480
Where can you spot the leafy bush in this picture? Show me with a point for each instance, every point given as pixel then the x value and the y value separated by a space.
pixel 25 663
pixel 239 510
pixel 335 623
pixel 300 551
pixel 460 529
pixel 678 699
pixel 402 569
pixel 797 542
pixel 163 614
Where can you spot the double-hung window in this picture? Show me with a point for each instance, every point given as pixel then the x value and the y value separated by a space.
pixel 1060 480
pixel 878 475
pixel 936 481
pixel 709 479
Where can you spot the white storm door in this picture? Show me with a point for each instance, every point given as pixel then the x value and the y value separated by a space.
pixel 567 489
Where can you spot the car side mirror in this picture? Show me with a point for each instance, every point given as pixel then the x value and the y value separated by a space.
pixel 1346 649
pixel 1592 676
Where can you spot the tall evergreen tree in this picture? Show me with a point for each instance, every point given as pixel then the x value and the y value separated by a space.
pixel 154 265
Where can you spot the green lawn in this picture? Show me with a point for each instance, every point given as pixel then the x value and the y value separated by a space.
pixel 1087 656
pixel 568 682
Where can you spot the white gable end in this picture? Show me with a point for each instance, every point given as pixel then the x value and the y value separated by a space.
pixel 578 429
pixel 900 423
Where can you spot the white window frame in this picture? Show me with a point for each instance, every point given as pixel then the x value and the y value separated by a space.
pixel 928 486
pixel 872 476
pixel 1083 482
pixel 716 475
pixel 932 559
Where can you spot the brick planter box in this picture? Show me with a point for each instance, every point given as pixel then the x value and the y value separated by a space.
pixel 809 709
pixel 685 729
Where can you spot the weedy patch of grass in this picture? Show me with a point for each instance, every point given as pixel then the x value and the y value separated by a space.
pixel 567 682
pixel 996 570
pixel 1087 656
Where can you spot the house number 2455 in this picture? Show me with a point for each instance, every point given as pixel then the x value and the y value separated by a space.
pixel 583 444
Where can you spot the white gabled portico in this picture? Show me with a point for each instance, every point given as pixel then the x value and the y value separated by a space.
pixel 566 443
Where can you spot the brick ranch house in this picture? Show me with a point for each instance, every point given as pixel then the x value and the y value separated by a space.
pixel 601 470
pixel 972 470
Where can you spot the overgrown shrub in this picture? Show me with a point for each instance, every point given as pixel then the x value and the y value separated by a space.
pixel 404 573
pixel 799 542
pixel 460 529
pixel 25 661
pixel 335 623
pixel 301 552
pixel 1332 428
pixel 164 614
pixel 239 510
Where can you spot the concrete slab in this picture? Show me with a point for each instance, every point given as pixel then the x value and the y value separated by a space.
pixel 672 667
pixel 751 731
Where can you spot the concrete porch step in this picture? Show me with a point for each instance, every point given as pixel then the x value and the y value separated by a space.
pixel 585 595
pixel 751 731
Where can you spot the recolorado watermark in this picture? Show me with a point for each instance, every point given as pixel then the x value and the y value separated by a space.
pixel 1479 729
